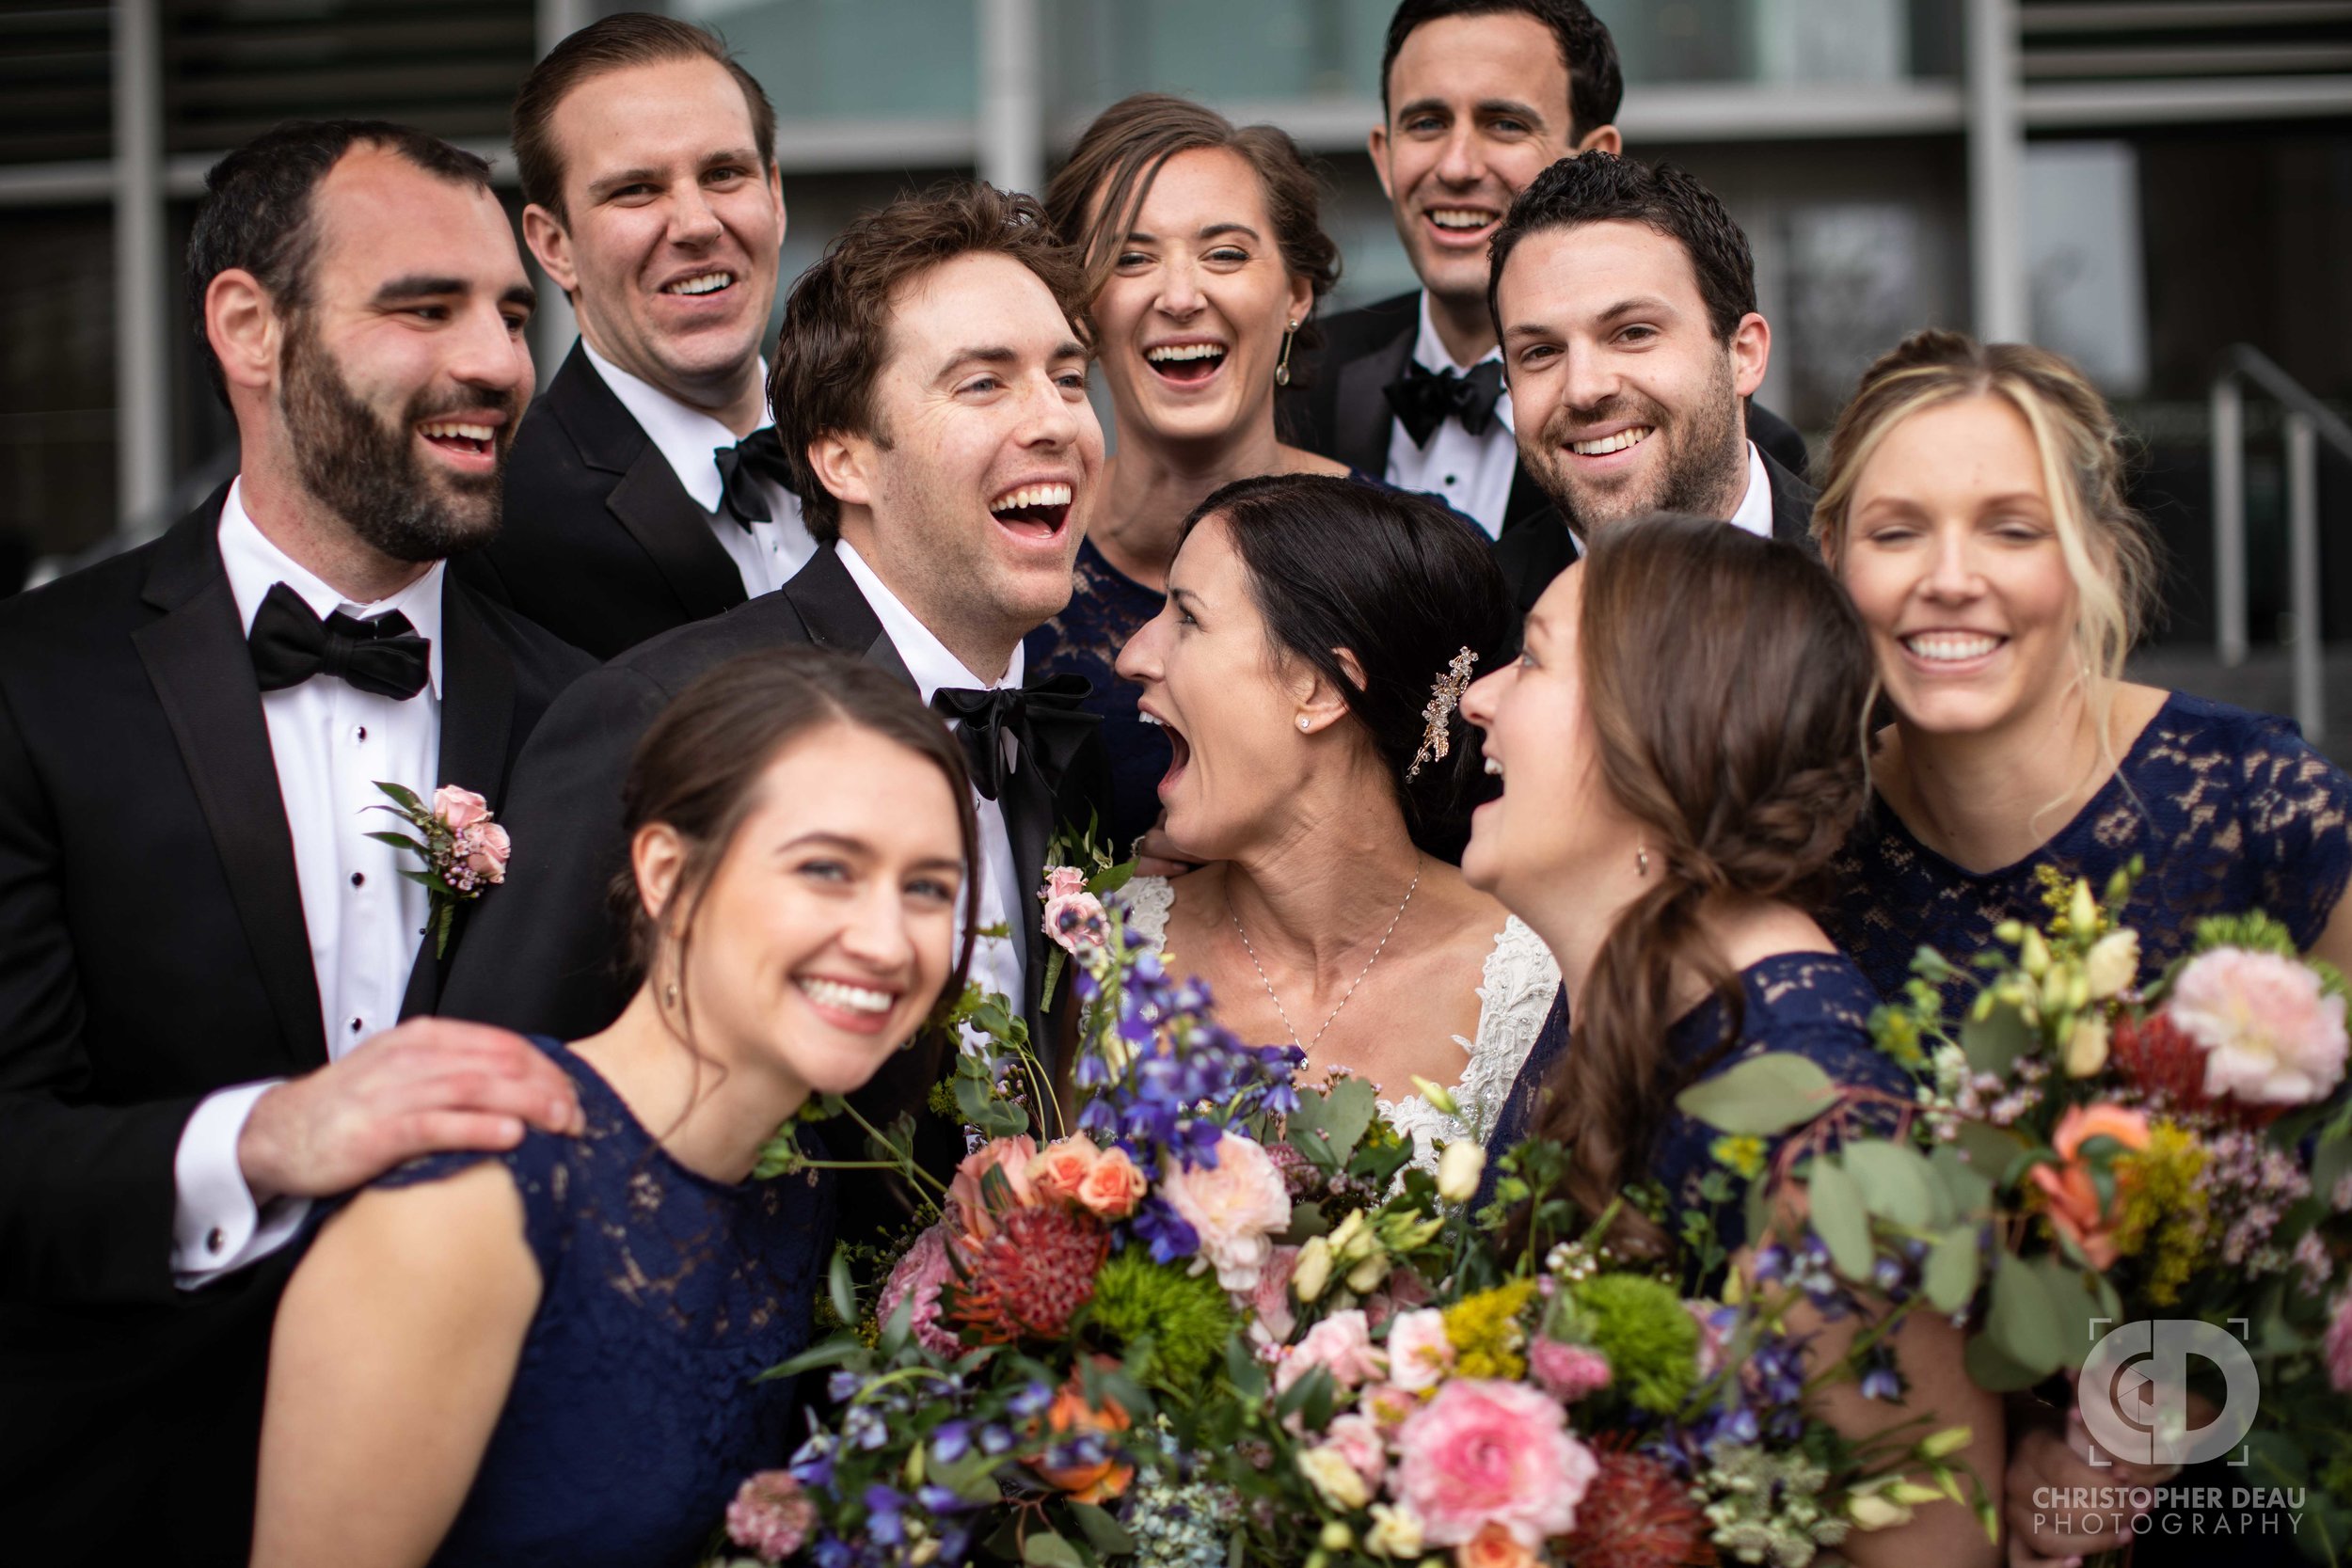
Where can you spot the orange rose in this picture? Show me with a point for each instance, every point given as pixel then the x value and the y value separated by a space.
pixel 1063 1167
pixel 1493 1546
pixel 2073 1199
pixel 1071 1414
pixel 1112 1187
pixel 968 1192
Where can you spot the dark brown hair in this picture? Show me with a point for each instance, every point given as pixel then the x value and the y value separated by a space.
pixel 1402 583
pixel 1726 678
pixel 1603 187
pixel 1596 84
pixel 257 214
pixel 1095 196
pixel 836 320
pixel 698 767
pixel 615 44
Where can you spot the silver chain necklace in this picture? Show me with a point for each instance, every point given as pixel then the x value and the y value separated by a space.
pixel 1273 996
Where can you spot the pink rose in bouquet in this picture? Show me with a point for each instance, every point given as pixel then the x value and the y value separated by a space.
pixel 1420 1354
pixel 1567 1373
pixel 1236 1207
pixel 460 808
pixel 1355 1438
pixel 1112 1185
pixel 1489 1453
pixel 1270 1303
pixel 1340 1343
pixel 2271 1035
pixel 1061 1168
pixel 967 1192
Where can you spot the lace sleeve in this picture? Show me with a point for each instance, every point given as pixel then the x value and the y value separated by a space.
pixel 1147 901
pixel 2298 830
pixel 1517 984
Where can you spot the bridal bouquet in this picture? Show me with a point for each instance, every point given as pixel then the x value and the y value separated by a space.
pixel 2109 1153
pixel 1220 1319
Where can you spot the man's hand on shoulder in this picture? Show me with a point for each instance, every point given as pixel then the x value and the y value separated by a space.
pixel 430 1086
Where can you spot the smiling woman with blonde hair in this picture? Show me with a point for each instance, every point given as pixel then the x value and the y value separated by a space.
pixel 1975 511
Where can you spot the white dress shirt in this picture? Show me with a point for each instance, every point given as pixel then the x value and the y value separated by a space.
pixel 767 554
pixel 330 743
pixel 1754 511
pixel 997 963
pixel 1472 473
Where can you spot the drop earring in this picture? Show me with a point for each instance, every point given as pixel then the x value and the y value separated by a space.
pixel 1282 366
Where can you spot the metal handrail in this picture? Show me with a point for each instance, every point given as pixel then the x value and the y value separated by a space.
pixel 2309 421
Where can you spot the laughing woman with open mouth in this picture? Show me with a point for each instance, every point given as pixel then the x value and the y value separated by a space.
pixel 1204 261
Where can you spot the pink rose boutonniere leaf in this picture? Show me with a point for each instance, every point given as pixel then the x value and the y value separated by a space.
pixel 463 849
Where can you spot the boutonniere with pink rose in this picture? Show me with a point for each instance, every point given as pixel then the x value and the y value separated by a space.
pixel 463 849
pixel 1079 874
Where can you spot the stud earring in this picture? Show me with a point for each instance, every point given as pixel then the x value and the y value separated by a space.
pixel 669 995
pixel 1282 366
pixel 1641 859
pixel 1304 724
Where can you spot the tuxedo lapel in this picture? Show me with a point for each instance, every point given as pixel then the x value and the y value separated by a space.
pixel 647 501
pixel 1792 506
pixel 477 718
pixel 196 658
pixel 837 616
pixel 1527 501
pixel 1361 416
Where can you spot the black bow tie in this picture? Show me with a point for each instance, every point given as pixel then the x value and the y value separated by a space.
pixel 757 456
pixel 1424 398
pixel 289 643
pixel 1044 719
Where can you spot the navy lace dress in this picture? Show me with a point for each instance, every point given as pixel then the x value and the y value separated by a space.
pixel 1107 607
pixel 2229 812
pixel 634 1413
pixel 1814 1004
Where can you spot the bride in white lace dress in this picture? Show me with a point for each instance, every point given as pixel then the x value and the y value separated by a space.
pixel 1305 666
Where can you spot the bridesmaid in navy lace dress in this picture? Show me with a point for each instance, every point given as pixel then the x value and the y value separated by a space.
pixel 549 1354
pixel 1206 258
pixel 1680 750
pixel 1975 510
pixel 2000 612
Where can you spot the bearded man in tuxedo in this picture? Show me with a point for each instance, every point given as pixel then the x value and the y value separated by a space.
pixel 648 488
pixel 202 953
pixel 1625 300
pixel 931 389
pixel 1477 98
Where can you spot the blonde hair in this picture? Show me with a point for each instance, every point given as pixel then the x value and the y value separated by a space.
pixel 2106 546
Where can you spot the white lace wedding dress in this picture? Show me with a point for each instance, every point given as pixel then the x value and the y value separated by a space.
pixel 1515 994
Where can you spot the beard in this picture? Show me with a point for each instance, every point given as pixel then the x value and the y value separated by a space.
pixel 367 470
pixel 1701 460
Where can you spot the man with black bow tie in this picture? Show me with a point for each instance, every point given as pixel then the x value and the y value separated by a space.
pixel 930 386
pixel 198 936
pixel 1479 97
pixel 648 488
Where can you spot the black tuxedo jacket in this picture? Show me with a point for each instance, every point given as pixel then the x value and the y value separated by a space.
pixel 1542 549
pixel 601 545
pixel 1337 405
pixel 153 950
pixel 544 956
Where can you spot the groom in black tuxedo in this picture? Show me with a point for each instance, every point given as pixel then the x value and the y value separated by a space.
pixel 931 384
pixel 1478 98
pixel 648 488
pixel 1625 299
pixel 198 940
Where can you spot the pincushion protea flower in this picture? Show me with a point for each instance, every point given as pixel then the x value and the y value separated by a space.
pixel 1028 1278
pixel 1637 1515
pixel 2158 1056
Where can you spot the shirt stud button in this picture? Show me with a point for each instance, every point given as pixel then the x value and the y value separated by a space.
pixel 359 878
pixel 362 731
pixel 214 1241
pixel 357 1025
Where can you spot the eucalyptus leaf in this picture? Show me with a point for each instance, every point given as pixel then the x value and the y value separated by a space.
pixel 838 1351
pixel 1994 1042
pixel 1953 1266
pixel 1110 1538
pixel 1841 1220
pixel 1993 1370
pixel 1966 1188
pixel 837 1284
pixel 1763 1095
pixel 1991 1150
pixel 1044 1549
pixel 2024 1322
pixel 1328 1127
pixel 1895 1180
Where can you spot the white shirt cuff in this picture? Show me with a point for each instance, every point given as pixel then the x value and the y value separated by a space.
pixel 215 1228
